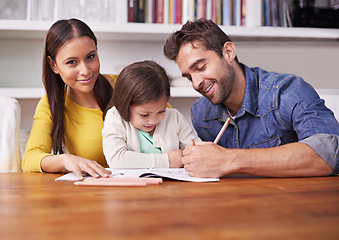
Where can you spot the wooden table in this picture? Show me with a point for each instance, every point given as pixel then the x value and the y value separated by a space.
pixel 34 206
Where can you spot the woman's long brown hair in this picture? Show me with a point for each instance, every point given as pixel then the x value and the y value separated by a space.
pixel 57 36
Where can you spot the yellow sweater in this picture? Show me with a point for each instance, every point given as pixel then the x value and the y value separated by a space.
pixel 83 136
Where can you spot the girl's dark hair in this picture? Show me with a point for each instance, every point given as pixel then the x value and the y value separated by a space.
pixel 139 83
pixel 57 36
pixel 203 31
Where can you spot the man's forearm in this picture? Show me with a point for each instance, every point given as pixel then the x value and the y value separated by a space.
pixel 290 160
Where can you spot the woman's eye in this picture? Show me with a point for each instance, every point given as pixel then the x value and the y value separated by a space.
pixel 70 62
pixel 144 115
pixel 91 56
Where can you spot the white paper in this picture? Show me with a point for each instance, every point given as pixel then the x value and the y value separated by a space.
pixel 172 173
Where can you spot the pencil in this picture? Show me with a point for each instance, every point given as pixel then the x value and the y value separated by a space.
pixel 125 179
pixel 115 183
pixel 222 130
pixel 192 141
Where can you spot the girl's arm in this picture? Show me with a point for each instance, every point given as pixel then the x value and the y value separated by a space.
pixel 185 132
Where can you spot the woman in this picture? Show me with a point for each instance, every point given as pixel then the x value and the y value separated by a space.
pixel 66 131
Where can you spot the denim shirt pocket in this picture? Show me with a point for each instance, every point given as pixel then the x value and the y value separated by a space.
pixel 208 130
pixel 208 124
pixel 272 142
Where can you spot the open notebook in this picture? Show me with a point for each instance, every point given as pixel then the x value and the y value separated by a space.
pixel 170 173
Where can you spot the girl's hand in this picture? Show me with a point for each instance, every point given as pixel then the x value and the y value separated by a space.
pixel 175 158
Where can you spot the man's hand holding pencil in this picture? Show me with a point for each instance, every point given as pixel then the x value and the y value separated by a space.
pixel 197 158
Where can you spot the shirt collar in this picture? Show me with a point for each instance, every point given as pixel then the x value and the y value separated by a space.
pixel 250 101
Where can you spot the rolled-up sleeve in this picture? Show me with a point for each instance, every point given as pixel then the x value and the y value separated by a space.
pixel 327 146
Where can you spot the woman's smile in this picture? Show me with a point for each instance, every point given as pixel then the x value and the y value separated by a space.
pixel 86 81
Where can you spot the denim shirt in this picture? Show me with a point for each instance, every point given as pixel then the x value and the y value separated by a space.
pixel 276 109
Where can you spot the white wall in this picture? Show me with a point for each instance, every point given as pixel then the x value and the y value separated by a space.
pixel 316 61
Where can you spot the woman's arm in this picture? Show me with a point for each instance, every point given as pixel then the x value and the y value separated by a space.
pixel 38 156
pixel 39 143
pixel 57 163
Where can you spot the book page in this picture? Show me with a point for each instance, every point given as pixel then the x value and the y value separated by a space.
pixel 171 173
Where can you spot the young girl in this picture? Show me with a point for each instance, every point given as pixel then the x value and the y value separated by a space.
pixel 139 131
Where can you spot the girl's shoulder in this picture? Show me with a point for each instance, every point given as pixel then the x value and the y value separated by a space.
pixel 112 111
pixel 173 113
pixel 113 115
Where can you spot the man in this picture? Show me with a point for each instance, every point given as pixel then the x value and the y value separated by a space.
pixel 279 126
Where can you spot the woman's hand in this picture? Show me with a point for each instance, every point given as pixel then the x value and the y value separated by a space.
pixel 57 163
pixel 175 158
pixel 79 165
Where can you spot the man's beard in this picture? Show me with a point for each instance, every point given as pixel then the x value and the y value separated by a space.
pixel 226 83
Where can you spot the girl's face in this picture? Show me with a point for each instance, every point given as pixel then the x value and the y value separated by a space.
pixel 77 63
pixel 146 116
